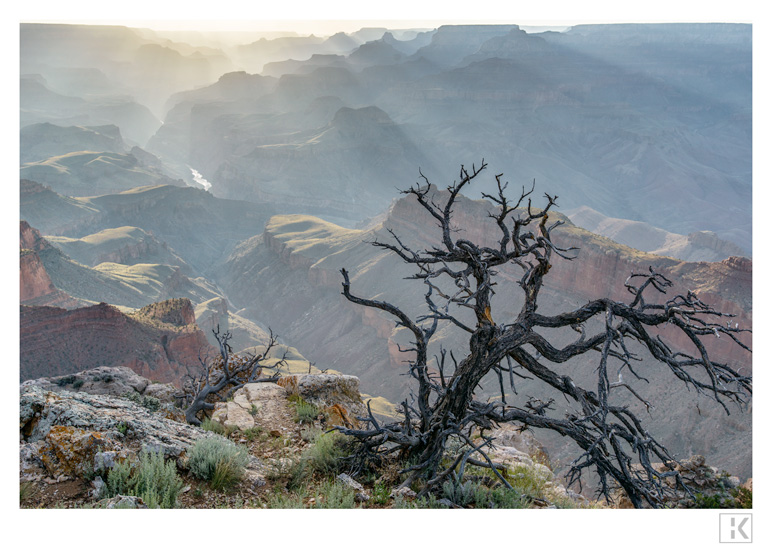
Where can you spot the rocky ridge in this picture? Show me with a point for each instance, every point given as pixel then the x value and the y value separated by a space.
pixel 695 247
pixel 72 434
pixel 70 438
pixel 131 285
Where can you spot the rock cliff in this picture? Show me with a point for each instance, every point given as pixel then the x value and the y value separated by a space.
pixel 697 246
pixel 161 342
pixel 35 285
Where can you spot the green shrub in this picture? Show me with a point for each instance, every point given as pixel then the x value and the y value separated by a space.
pixel 252 433
pixel 156 482
pixel 148 402
pixel 381 493
pixel 333 494
pixel 26 490
pixel 502 497
pixel 324 455
pixel 218 460
pixel 460 493
pixel 715 500
pixel 744 497
pixel 527 481
pixel 77 383
pixel 310 434
pixel 429 501
pixel 213 426
pixel 323 458
pixel 64 381
pixel 305 412
pixel 281 500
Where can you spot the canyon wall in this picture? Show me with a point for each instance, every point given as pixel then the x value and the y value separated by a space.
pixel 161 342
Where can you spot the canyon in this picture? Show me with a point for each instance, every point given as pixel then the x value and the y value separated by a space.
pixel 127 259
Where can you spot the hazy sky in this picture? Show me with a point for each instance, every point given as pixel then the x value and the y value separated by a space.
pixel 324 18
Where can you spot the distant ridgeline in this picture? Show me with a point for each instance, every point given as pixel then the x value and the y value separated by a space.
pixel 643 131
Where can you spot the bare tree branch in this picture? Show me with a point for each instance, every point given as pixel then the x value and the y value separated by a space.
pixel 223 375
pixel 613 440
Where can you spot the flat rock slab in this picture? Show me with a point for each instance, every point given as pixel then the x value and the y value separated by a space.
pixel 256 405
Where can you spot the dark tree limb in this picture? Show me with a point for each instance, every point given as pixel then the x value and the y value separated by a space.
pixel 613 440
pixel 226 373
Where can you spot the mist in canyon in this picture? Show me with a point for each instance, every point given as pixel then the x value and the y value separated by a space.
pixel 234 175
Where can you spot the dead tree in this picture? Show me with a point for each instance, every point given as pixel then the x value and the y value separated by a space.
pixel 611 436
pixel 227 372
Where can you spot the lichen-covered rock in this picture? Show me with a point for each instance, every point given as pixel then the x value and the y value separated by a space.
pixel 361 495
pixel 104 461
pixel 70 451
pixel 30 464
pixel 253 479
pixel 70 428
pixel 338 395
pixel 123 501
pixel 109 381
pixel 403 492
pixel 510 457
pixel 98 488
pixel 164 392
pixel 509 435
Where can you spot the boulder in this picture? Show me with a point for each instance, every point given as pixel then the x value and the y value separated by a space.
pixel 254 405
pixel 338 395
pixel 70 451
pixel 361 495
pixel 123 501
pixel 66 431
pixel 509 435
pixel 403 492
pixel 265 405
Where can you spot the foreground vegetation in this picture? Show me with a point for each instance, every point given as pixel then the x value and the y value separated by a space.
pixel 304 469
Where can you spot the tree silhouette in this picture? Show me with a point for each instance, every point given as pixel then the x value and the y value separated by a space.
pixel 460 275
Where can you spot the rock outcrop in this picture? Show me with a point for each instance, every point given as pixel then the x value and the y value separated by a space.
pixel 75 429
pixel 123 245
pixel 266 405
pixel 710 487
pixel 108 381
pixel 697 246
pixel 197 226
pixel 35 285
pixel 132 285
pixel 70 434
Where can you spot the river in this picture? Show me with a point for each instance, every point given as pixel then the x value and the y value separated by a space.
pixel 197 177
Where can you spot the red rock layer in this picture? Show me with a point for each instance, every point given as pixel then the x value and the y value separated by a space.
pixel 56 341
pixel 35 285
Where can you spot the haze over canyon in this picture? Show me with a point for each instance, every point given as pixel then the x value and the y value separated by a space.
pixel 170 184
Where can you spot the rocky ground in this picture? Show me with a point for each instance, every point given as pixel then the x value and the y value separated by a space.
pixel 76 429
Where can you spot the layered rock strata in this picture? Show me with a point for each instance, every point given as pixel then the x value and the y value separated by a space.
pixel 162 348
